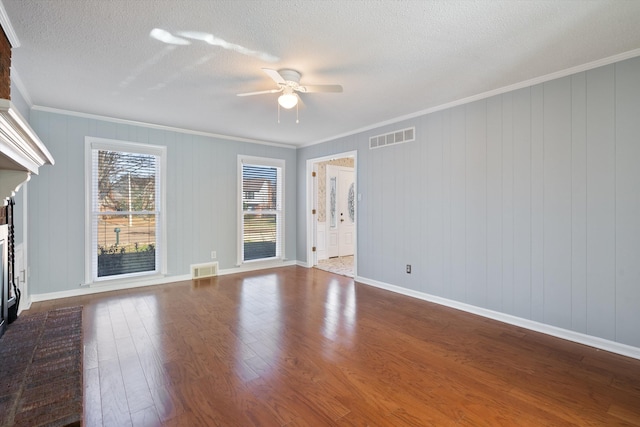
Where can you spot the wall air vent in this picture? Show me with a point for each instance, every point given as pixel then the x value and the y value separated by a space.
pixel 397 137
pixel 199 271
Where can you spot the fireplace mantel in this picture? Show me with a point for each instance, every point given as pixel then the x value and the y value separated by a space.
pixel 21 151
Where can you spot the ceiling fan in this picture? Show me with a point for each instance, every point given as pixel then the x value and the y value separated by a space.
pixel 288 82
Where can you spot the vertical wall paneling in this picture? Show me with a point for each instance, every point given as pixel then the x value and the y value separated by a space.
pixel 203 219
pixel 601 291
pixel 494 203
pixel 368 251
pixel 172 210
pixel 375 246
pixel 191 158
pixel 537 203
pixel 417 251
pixel 57 206
pixel 433 182
pixel 75 132
pixel 525 203
pixel 399 199
pixel 476 203
pixel 532 210
pixel 578 203
pixel 458 204
pixel 39 261
pixel 199 208
pixel 184 194
pixel 557 202
pixel 522 202
pixel 447 230
pixel 400 203
pixel 507 203
pixel 627 237
pixel 388 240
pixel 57 244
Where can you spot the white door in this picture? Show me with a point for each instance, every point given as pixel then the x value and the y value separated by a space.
pixel 340 211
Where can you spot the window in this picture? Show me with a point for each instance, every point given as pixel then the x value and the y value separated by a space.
pixel 124 209
pixel 261 209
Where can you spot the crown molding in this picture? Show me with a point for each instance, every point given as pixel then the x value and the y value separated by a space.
pixel 527 83
pixel 159 127
pixel 8 28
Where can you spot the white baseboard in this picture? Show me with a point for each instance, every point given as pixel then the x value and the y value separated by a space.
pixel 25 304
pixel 591 341
pixel 87 290
pixel 94 289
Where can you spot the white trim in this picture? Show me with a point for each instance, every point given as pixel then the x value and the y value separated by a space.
pixel 25 303
pixel 527 83
pixel 20 143
pixel 87 290
pixel 25 245
pixel 124 284
pixel 8 28
pixel 159 127
pixel 269 162
pixel 580 338
pixel 309 202
pixel 160 151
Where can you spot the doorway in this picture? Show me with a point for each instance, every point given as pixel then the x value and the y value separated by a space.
pixel 340 210
pixel 332 201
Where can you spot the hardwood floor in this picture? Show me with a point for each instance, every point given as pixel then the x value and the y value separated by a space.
pixel 303 347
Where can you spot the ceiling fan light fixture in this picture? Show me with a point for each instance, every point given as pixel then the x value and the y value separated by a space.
pixel 288 100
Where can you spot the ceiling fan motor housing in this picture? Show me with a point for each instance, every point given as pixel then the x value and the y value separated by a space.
pixel 291 77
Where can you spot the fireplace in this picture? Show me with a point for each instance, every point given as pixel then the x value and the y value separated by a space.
pixel 21 154
pixel 4 279
pixel 9 292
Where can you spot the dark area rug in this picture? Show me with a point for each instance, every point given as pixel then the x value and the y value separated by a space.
pixel 41 370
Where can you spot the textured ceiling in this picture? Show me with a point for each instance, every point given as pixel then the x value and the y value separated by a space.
pixel 393 58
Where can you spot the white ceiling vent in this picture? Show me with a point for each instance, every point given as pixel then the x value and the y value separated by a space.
pixel 397 137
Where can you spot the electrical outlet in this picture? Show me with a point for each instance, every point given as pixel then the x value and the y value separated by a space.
pixel 214 255
pixel 408 268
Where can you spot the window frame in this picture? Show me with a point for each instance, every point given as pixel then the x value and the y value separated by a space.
pixel 91 144
pixel 280 246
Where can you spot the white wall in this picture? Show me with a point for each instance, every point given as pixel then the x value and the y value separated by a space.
pixel 201 197
pixel 526 203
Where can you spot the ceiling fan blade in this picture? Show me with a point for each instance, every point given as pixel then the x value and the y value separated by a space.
pixel 275 76
pixel 320 88
pixel 260 92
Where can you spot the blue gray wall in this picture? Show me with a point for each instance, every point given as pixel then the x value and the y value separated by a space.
pixel 201 197
pixel 526 203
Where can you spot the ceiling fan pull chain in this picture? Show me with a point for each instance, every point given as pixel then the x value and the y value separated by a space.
pixel 278 113
pixel 297 109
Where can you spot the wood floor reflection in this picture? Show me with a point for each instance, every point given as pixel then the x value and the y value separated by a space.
pixel 303 347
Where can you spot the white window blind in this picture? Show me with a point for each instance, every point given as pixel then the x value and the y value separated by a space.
pixel 125 214
pixel 262 207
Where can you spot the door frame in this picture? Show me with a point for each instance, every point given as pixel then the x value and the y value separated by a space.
pixel 311 203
